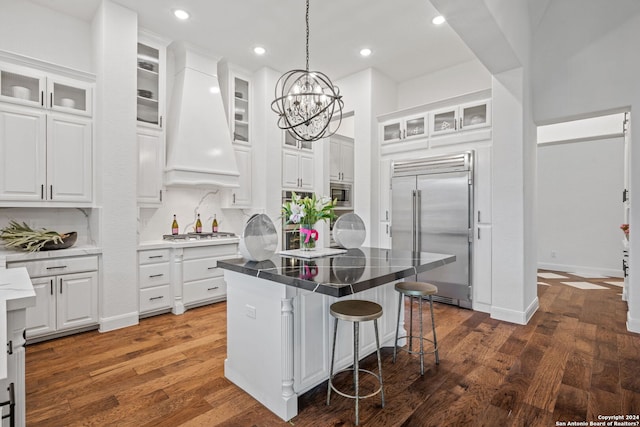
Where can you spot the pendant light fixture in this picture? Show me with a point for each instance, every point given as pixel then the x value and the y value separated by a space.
pixel 306 101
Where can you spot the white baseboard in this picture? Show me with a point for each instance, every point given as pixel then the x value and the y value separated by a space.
pixel 610 272
pixel 514 316
pixel 633 325
pixel 480 306
pixel 117 322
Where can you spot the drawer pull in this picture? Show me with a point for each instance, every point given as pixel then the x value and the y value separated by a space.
pixel 157 275
pixel 53 268
pixel 160 297
pixel 213 289
pixel 211 268
pixel 155 256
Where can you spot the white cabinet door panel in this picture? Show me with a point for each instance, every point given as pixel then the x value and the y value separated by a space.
pixel 69 154
pixel 77 300
pixel 150 166
pixel 41 318
pixel 241 196
pixel 306 171
pixel 22 154
pixel 290 177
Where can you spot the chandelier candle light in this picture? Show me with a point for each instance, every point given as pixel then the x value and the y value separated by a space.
pixel 306 101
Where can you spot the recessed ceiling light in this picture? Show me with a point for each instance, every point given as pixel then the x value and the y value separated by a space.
pixel 365 52
pixel 181 14
pixel 438 20
pixel 259 50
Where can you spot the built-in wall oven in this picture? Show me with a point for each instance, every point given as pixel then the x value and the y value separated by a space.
pixel 342 193
pixel 290 235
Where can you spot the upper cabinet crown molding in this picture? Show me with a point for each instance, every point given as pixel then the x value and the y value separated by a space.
pixel 448 102
pixel 26 61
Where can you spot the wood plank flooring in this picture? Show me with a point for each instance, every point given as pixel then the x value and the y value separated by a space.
pixel 572 362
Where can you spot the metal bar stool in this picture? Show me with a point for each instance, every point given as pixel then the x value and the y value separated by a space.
pixel 417 290
pixel 356 311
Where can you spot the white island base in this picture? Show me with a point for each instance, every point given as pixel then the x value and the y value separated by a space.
pixel 279 338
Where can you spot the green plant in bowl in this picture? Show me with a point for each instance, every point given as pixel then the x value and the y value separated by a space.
pixel 21 236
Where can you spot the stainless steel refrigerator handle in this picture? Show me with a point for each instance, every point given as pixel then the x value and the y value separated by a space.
pixel 418 225
pixel 414 196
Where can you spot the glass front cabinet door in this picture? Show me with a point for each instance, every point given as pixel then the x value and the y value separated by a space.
pixel 148 96
pixel 412 127
pixel 475 115
pixel 35 89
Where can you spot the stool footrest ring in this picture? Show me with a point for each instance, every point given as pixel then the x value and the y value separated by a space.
pixel 408 338
pixel 377 377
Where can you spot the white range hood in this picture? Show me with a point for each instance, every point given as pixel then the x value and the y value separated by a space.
pixel 199 150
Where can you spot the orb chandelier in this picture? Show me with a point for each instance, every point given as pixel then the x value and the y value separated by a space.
pixel 306 101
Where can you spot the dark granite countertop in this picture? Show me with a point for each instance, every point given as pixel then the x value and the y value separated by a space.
pixel 344 274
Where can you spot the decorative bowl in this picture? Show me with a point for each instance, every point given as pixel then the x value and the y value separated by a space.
pixel 68 240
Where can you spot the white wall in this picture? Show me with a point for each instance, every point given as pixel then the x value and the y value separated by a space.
pixel 592 68
pixel 463 78
pixel 579 209
pixel 62 40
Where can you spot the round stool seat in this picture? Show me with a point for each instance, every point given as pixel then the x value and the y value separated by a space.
pixel 356 310
pixel 416 289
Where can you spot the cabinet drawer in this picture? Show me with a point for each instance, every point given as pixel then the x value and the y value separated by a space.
pixel 156 298
pixel 196 269
pixel 153 256
pixel 202 290
pixel 55 266
pixel 154 275
pixel 212 251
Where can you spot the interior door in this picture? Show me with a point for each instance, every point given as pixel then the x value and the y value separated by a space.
pixel 402 190
pixel 444 223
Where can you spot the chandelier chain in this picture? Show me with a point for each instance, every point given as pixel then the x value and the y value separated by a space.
pixel 307 21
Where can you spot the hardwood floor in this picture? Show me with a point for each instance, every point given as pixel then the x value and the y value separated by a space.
pixel 572 362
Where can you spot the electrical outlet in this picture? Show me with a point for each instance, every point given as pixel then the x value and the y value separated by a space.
pixel 250 311
pixel 554 253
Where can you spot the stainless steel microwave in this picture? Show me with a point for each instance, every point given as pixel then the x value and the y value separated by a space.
pixel 342 194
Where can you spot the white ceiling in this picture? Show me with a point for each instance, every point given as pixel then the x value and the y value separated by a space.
pixel 405 43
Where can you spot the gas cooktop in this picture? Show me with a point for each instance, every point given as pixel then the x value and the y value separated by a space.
pixel 198 236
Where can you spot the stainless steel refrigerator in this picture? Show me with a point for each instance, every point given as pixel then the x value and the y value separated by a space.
pixel 432 205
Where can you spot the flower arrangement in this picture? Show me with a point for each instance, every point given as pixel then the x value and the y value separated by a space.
pixel 625 230
pixel 308 210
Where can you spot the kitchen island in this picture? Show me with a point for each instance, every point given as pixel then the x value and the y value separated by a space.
pixel 278 323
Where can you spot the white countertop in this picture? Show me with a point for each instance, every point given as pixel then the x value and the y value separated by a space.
pixel 16 292
pixel 166 244
pixel 13 255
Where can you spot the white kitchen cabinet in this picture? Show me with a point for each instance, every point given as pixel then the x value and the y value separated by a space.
pixel 404 128
pixel 66 295
pixel 296 144
pixel 385 235
pixel 385 190
pixel 341 159
pixel 460 118
pixel 151 81
pixel 297 170
pixel 151 152
pixel 38 89
pixel 241 197
pixel 154 281
pixel 202 280
pixel 483 185
pixel 482 272
pixel 45 157
pixel 241 113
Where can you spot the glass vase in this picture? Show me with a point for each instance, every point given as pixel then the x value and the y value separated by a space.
pixel 308 237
